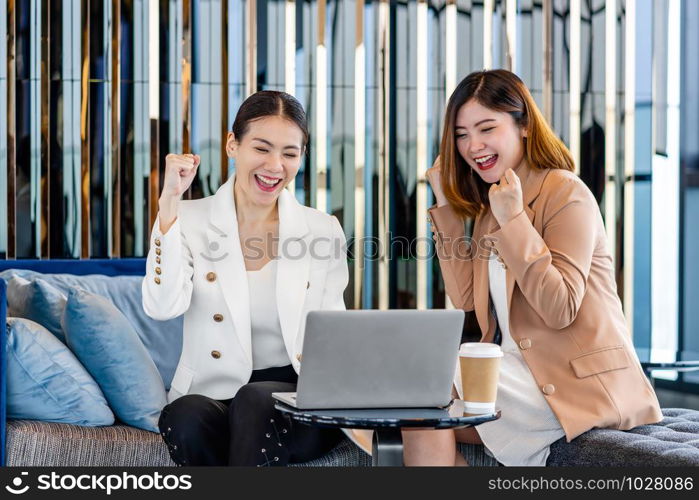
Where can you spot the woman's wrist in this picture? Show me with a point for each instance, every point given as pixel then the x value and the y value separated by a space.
pixel 167 214
pixel 441 200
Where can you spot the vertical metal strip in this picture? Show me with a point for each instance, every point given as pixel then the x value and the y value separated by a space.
pixel 115 127
pixel 629 158
pixel 106 131
pixel 488 8
pixel 574 78
pixel 3 130
pixel 359 153
pixel 450 46
pixel 35 164
pixel 154 109
pixel 251 47
pixel 451 70
pixel 11 132
pixel 511 33
pixel 666 185
pixel 224 89
pixel 321 110
pixel 290 57
pixel 186 76
pixel 422 243
pixel 85 132
pixel 610 129
pixel 290 46
pixel 384 38
pixel 174 76
pixel 547 45
pixel 154 177
pixel 70 128
pixel 44 89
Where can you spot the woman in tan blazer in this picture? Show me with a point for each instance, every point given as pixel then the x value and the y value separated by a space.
pixel 537 272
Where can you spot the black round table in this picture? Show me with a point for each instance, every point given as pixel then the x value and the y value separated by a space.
pixel 677 365
pixel 387 445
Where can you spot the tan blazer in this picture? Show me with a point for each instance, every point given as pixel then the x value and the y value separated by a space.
pixel 565 314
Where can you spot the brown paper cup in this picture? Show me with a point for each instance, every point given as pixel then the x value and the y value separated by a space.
pixel 480 368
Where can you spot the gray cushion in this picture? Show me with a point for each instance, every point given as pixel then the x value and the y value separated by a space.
pixel 162 339
pixel 476 457
pixel 345 454
pixel 672 442
pixel 35 443
pixel 45 444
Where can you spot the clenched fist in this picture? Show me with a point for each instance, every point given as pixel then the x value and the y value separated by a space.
pixel 434 177
pixel 180 171
pixel 506 198
pixel 179 174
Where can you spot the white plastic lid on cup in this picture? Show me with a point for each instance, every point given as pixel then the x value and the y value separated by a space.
pixel 480 350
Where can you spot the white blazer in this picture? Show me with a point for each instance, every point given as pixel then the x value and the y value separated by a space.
pixel 197 269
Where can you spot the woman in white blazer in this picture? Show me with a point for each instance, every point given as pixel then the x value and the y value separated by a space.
pixel 244 266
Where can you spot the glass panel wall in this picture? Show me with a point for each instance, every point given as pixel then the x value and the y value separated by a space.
pixel 86 128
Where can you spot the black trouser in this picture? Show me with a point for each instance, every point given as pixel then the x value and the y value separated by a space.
pixel 245 430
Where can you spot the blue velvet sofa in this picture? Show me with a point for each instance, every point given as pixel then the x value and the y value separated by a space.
pixel 674 441
pixel 40 443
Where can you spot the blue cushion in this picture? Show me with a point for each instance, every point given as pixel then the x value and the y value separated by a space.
pixel 163 339
pixel 38 301
pixel 45 381
pixel 107 345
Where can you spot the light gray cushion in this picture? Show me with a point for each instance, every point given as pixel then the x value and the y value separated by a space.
pixel 38 301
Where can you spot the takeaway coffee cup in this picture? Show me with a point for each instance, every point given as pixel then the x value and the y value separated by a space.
pixel 480 367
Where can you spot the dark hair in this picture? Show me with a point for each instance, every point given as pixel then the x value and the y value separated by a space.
pixel 270 103
pixel 502 91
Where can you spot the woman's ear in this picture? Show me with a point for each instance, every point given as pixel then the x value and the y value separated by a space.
pixel 231 145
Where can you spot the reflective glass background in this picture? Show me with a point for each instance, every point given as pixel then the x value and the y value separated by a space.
pixel 95 93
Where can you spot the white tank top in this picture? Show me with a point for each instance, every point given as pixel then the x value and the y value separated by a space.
pixel 528 426
pixel 268 349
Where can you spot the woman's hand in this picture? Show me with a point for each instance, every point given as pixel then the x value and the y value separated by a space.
pixel 506 198
pixel 434 177
pixel 179 174
pixel 180 171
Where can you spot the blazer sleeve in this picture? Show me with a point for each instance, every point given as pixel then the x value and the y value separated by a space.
pixel 455 254
pixel 337 277
pixel 167 286
pixel 552 269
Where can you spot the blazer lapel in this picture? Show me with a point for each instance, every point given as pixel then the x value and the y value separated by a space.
pixel 224 241
pixel 293 267
pixel 510 277
pixel 532 180
pixel 481 293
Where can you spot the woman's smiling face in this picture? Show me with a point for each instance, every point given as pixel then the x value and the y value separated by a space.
pixel 267 158
pixel 489 141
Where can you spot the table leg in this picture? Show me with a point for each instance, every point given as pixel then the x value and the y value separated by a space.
pixel 387 448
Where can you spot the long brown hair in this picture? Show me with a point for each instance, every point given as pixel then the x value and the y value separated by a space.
pixel 502 91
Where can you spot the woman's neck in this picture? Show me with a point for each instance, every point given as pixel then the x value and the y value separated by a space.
pixel 250 213
pixel 522 168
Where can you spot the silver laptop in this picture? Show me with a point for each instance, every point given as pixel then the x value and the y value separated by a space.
pixel 377 359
